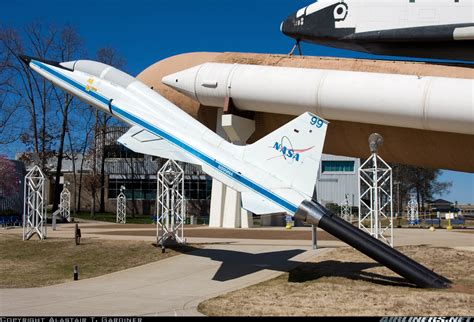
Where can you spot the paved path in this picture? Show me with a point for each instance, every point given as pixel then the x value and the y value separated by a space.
pixel 174 286
pixel 403 237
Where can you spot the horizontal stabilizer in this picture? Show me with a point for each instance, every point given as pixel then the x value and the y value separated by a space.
pixel 259 205
pixel 140 140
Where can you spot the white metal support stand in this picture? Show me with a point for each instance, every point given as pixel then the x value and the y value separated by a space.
pixel 412 212
pixel 34 213
pixel 64 209
pixel 346 209
pixel 121 207
pixel 65 204
pixel 375 190
pixel 171 215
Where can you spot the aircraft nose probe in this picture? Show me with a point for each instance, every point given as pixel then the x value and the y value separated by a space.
pixel 25 59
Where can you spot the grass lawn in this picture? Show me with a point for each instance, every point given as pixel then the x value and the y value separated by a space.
pixel 112 217
pixel 345 282
pixel 38 263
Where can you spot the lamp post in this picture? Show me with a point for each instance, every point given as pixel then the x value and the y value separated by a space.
pixel 375 194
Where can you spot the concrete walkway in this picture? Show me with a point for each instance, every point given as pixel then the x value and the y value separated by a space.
pixel 174 286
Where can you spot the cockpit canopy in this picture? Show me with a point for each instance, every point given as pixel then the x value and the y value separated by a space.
pixel 100 70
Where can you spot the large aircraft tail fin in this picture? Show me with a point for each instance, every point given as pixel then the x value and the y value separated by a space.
pixel 292 153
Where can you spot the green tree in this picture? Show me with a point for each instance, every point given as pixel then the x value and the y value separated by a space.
pixel 422 182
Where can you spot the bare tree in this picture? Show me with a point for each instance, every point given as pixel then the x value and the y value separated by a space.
pixel 68 45
pixel 134 165
pixel 44 107
pixel 9 182
pixel 92 182
pixel 79 143
pixel 8 102
pixel 34 93
pixel 109 56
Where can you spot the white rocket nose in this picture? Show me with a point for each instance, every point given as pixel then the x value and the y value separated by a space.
pixel 183 81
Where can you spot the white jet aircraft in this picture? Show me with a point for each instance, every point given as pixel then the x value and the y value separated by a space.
pixel 275 174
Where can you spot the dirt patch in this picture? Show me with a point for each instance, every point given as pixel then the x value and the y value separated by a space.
pixel 230 233
pixel 347 283
pixel 36 263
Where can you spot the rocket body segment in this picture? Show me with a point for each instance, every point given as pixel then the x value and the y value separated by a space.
pixel 425 103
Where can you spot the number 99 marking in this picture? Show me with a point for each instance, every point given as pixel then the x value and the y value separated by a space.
pixel 317 122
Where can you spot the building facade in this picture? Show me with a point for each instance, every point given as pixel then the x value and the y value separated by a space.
pixel 125 168
pixel 338 177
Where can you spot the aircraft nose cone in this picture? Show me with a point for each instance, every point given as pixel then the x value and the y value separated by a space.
pixel 183 81
pixel 288 26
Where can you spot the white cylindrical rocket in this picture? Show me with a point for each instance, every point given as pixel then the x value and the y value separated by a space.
pixel 427 103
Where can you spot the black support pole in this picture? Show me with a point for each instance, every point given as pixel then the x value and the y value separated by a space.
pixel 314 213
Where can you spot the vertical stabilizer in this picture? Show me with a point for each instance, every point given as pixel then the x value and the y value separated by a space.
pixel 292 153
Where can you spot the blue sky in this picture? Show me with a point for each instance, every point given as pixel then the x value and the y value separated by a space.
pixel 145 31
pixel 148 31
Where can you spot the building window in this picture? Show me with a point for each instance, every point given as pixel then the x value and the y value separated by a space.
pixel 197 187
pixel 139 189
pixel 337 166
pixel 118 151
